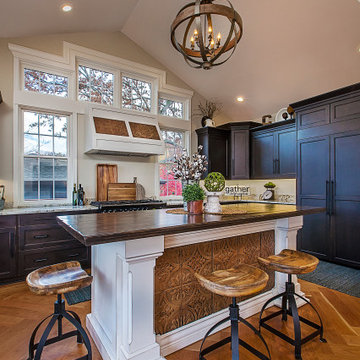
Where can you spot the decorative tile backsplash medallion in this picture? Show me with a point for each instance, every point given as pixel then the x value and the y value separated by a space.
pixel 179 298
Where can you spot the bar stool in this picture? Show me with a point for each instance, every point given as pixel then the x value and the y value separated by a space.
pixel 56 280
pixel 240 281
pixel 291 262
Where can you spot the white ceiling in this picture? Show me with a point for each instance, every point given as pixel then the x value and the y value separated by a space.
pixel 291 49
pixel 39 17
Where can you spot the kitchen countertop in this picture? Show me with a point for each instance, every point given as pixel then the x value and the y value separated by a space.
pixel 45 209
pixel 172 204
pixel 94 229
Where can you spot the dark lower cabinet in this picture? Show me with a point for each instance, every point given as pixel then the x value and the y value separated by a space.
pixel 7 254
pixel 29 242
pixel 328 176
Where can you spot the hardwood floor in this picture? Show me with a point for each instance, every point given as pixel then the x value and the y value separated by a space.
pixel 20 311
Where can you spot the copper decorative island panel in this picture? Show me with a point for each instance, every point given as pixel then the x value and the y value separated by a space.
pixel 179 299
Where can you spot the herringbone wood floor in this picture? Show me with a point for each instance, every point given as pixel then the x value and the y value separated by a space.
pixel 21 310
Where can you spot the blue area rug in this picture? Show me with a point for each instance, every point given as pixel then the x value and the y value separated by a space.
pixel 336 277
pixel 78 296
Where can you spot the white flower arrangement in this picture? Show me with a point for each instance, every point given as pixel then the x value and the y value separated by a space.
pixel 190 168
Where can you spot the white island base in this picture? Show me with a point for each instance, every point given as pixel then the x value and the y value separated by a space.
pixel 121 322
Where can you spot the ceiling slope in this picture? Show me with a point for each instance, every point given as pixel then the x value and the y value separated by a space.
pixel 290 50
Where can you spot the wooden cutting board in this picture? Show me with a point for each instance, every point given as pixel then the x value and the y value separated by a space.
pixel 106 174
pixel 121 191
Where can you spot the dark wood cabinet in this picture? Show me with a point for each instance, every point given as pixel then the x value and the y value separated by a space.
pixel 328 175
pixel 28 242
pixel 273 151
pixel 227 149
pixel 215 144
pixel 8 246
pixel 7 254
pixel 239 153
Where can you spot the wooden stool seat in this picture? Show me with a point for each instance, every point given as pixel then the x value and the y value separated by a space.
pixel 291 262
pixel 58 279
pixel 234 282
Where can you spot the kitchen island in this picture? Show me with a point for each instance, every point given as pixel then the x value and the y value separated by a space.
pixel 141 314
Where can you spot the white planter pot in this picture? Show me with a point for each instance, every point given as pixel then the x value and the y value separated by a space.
pixel 213 202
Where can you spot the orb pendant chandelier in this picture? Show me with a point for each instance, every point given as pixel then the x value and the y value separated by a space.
pixel 198 45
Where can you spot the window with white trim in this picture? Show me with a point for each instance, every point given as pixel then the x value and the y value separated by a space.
pixel 46 156
pixel 136 94
pixel 95 85
pixel 46 83
pixel 171 108
pixel 174 145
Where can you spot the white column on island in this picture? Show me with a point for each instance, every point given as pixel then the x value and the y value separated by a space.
pixel 122 314
pixel 285 238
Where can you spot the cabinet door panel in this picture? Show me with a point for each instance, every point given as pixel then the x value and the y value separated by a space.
pixel 287 153
pixel 346 230
pixel 314 237
pixel 313 117
pixel 240 154
pixel 346 160
pixel 7 254
pixel 346 109
pixel 314 167
pixel 218 157
pixel 262 156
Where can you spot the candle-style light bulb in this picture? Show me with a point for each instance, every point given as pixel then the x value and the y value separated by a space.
pixel 192 42
pixel 212 43
pixel 218 40
pixel 210 29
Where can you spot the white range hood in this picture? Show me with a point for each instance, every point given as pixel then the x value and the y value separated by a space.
pixel 123 133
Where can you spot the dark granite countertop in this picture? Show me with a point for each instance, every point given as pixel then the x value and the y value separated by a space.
pixel 94 229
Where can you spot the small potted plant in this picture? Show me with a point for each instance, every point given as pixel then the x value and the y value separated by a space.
pixel 194 195
pixel 214 184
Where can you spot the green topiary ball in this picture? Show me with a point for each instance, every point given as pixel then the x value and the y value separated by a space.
pixel 214 182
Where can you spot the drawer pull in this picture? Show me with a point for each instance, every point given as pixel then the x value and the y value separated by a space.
pixel 74 255
pixel 40 260
pixel 44 236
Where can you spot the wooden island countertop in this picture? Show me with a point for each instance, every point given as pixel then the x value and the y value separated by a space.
pixel 95 229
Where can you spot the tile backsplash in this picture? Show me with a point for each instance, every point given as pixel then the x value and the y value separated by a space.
pixel 285 190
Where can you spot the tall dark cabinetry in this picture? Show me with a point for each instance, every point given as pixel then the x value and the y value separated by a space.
pixel 329 174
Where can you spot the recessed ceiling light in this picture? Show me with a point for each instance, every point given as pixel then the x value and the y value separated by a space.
pixel 66 7
pixel 240 99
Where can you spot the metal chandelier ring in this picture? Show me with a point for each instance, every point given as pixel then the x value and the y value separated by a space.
pixel 193 12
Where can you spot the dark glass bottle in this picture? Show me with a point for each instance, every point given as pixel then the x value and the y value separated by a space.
pixel 74 196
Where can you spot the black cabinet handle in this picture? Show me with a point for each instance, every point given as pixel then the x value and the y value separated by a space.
pixel 274 171
pixel 44 236
pixel 40 260
pixel 12 244
pixel 332 212
pixel 327 197
pixel 73 255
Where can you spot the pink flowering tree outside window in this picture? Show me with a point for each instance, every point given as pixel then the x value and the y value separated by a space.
pixel 174 144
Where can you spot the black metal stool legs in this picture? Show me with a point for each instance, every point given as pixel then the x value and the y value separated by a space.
pixel 234 338
pixel 59 314
pixel 289 307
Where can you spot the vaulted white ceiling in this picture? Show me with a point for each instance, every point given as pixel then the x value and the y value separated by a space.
pixel 291 49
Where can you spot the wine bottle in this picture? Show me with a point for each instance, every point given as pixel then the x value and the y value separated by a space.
pixel 74 196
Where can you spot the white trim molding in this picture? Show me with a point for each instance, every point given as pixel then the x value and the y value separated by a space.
pixel 67 65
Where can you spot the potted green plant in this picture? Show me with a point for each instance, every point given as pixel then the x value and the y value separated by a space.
pixel 214 184
pixel 194 196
